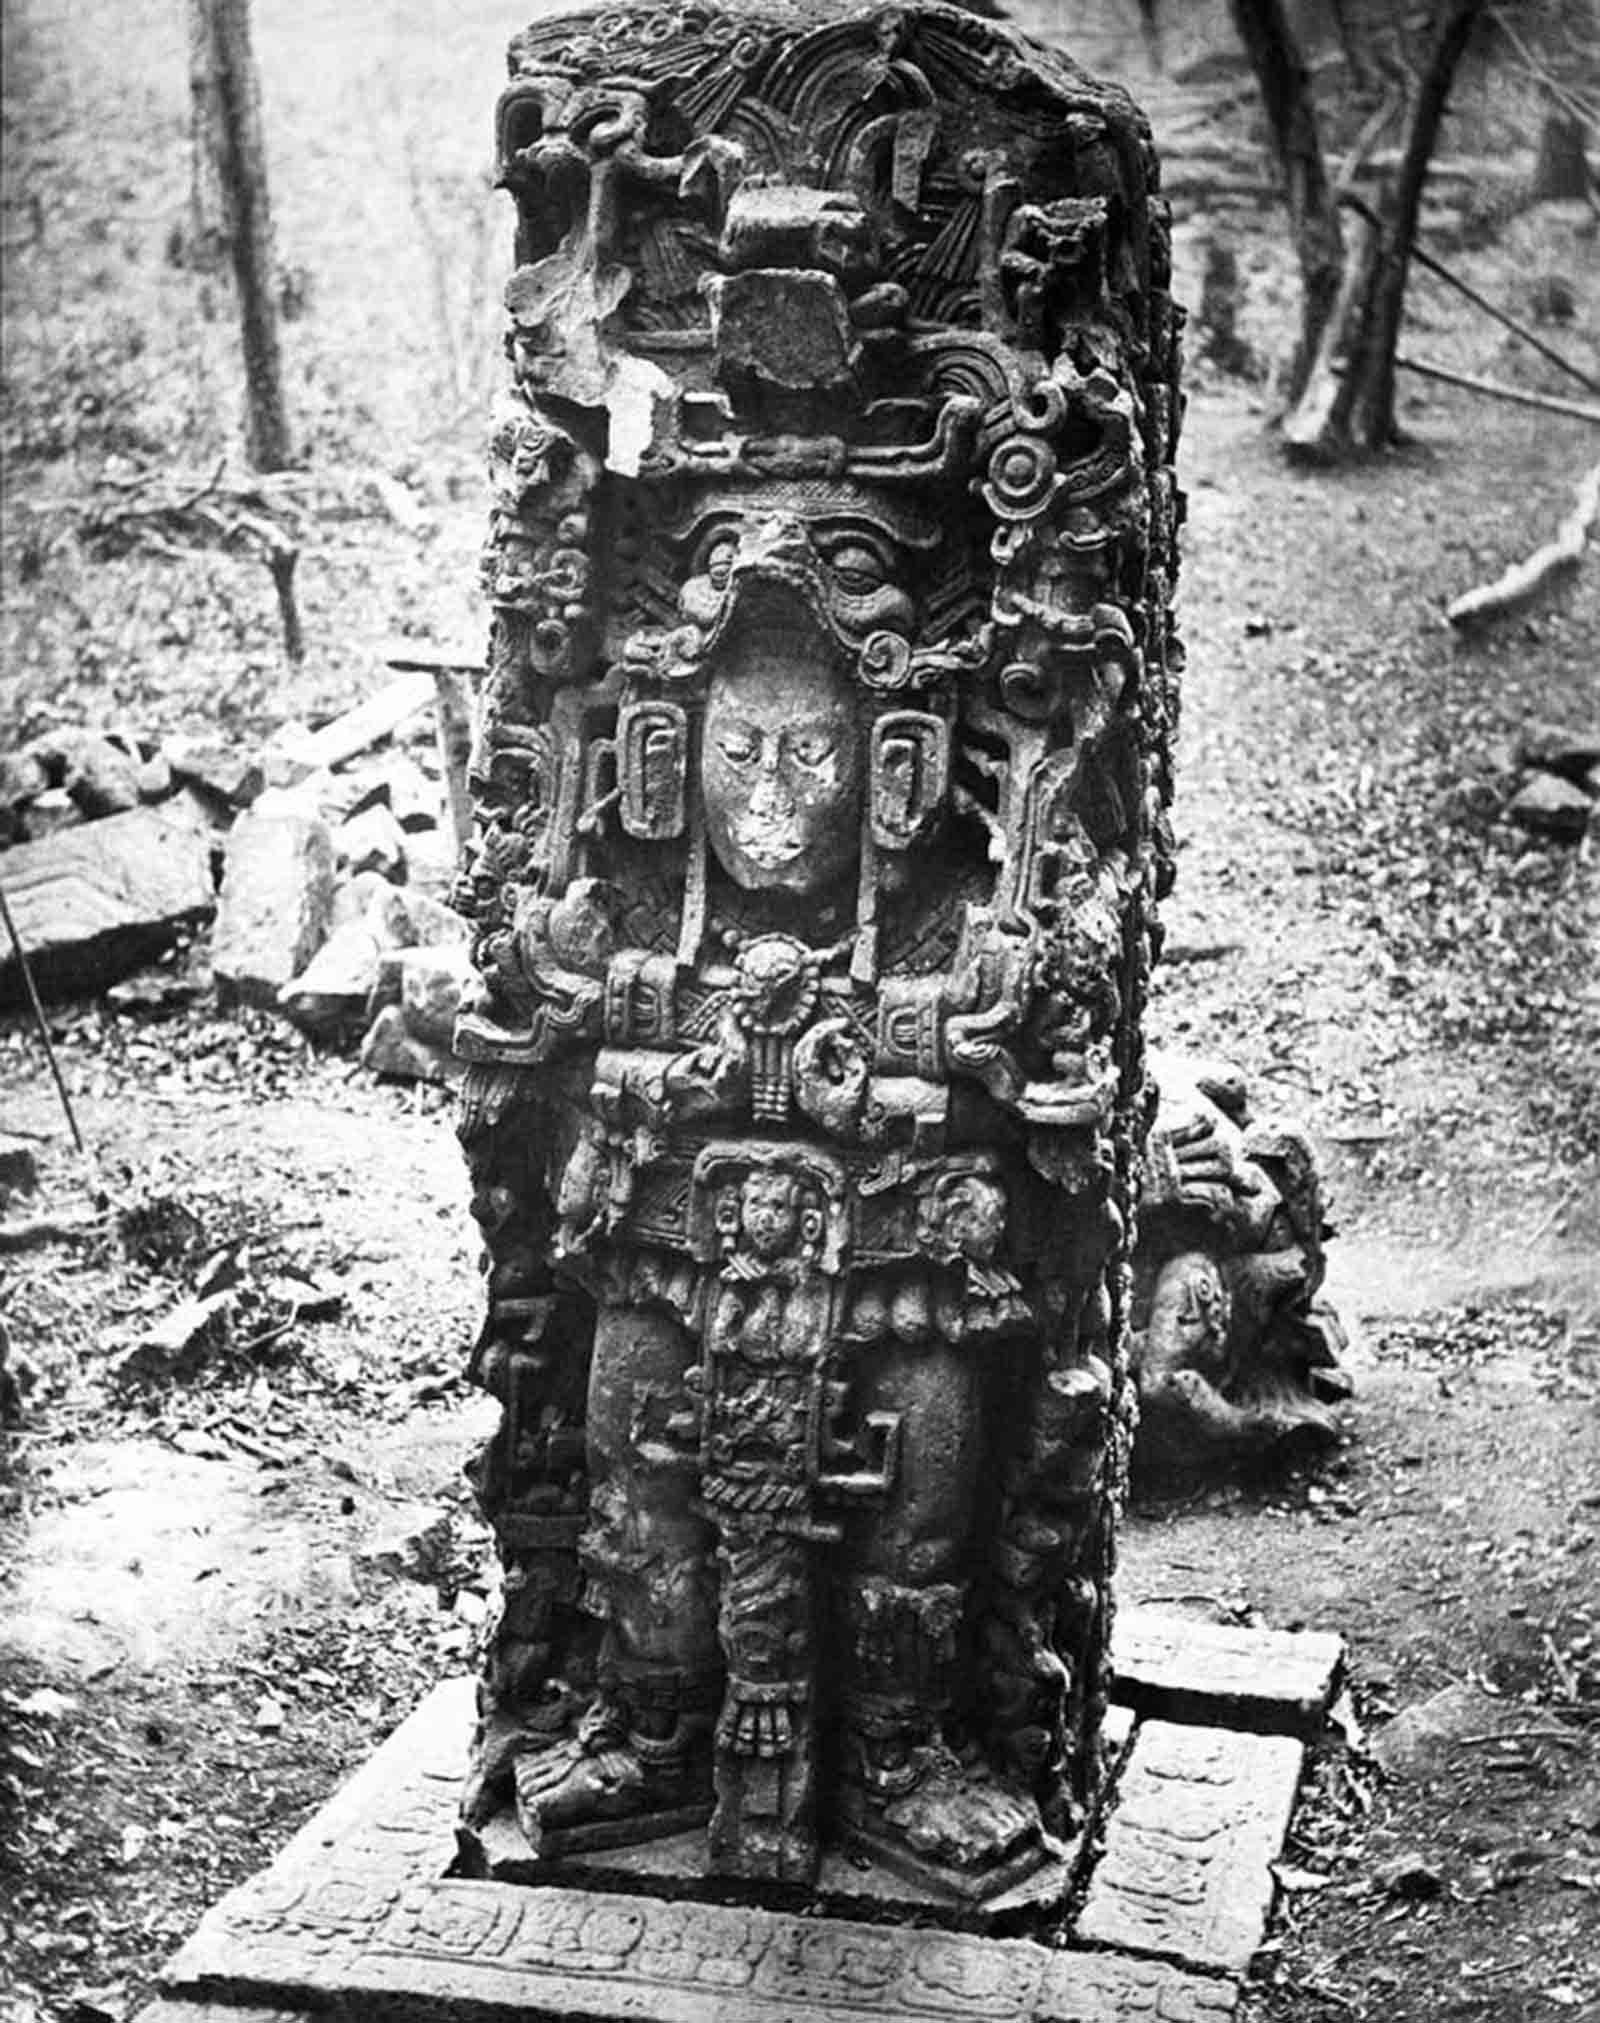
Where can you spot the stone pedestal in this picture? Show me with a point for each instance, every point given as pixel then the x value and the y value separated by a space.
pixel 364 1914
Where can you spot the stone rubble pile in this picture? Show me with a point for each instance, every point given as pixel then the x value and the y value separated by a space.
pixel 322 871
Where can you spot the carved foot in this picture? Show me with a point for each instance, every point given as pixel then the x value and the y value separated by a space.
pixel 607 1786
pixel 948 1824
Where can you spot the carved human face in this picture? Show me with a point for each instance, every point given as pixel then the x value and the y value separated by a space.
pixel 783 761
pixel 769 1214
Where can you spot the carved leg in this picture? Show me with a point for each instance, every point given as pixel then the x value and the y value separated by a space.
pixel 943 1817
pixel 765 1821
pixel 639 1765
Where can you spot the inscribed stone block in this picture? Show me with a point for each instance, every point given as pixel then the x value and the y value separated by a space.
pixel 1200 1815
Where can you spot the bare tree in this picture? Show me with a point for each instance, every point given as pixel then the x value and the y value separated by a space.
pixel 1353 280
pixel 232 163
pixel 1285 84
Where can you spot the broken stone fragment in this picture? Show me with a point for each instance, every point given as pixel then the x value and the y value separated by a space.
pixel 401 785
pixel 372 841
pixel 22 779
pixel 95 902
pixel 432 860
pixel 237 779
pixel 154 992
pixel 313 1297
pixel 154 778
pixel 433 924
pixel 416 800
pixel 183 1338
pixel 384 906
pixel 1410 1878
pixel 1550 750
pixel 277 898
pixel 51 812
pixel 330 995
pixel 1548 805
pixel 101 777
pixel 390 1048
pixel 432 983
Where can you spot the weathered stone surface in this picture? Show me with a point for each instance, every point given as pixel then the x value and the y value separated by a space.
pixel 51 812
pixel 216 2012
pixel 224 772
pixel 1554 750
pixel 1200 1815
pixel 22 779
pixel 330 994
pixel 433 857
pixel 193 1329
pixel 154 777
pixel 1236 1353
pixel 391 1048
pixel 356 1917
pixel 277 898
pixel 1421 1738
pixel 103 779
pixel 1549 805
pixel 372 841
pixel 432 983
pixel 1182 1669
pixel 93 903
pixel 433 924
pixel 383 905
pixel 415 800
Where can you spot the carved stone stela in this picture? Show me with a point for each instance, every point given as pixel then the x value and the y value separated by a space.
pixel 820 781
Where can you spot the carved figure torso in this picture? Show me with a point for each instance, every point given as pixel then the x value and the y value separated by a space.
pixel 820 779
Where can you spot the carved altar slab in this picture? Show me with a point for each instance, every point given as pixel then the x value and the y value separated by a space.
pixel 360 1918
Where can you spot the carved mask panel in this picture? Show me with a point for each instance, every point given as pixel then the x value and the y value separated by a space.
pixel 782 767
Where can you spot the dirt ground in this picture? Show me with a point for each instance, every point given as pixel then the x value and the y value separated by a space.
pixel 217 1592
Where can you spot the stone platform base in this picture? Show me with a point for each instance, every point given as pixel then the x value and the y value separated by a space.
pixel 360 1919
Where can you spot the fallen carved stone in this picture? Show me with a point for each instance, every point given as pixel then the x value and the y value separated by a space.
pixel 93 902
pixel 819 787
pixel 1237 1352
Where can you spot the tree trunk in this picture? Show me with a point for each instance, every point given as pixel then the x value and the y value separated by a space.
pixel 205 244
pixel 1285 86
pixel 228 98
pixel 1561 173
pixel 1317 428
pixel 1348 400
pixel 1372 408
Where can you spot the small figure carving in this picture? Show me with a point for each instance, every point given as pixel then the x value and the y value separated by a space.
pixel 1237 1352
pixel 820 778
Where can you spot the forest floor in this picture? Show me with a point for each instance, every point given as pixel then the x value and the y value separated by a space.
pixel 218 1592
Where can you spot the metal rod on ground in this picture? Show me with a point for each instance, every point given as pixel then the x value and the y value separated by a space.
pixel 1496 391
pixel 39 1020
pixel 1424 259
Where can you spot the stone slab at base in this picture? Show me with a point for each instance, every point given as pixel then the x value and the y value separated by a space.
pixel 1199 1817
pixel 1182 1669
pixel 359 1919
